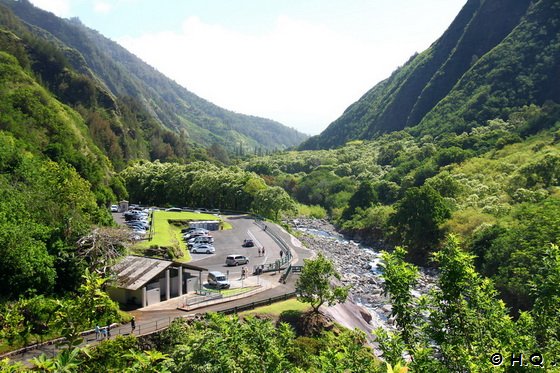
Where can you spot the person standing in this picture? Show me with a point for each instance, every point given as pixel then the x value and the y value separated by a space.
pixel 108 329
pixel 259 250
pixel 262 251
pixel 132 325
pixel 97 332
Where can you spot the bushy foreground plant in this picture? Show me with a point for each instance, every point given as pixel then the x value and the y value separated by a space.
pixel 462 325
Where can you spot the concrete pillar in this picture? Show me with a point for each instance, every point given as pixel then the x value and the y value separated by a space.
pixel 144 301
pixel 167 284
pixel 180 279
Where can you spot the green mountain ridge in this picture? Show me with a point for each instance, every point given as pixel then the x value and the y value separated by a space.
pixel 495 57
pixel 120 74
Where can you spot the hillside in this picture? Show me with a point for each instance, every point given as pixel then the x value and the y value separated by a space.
pixel 124 76
pixel 54 184
pixel 495 57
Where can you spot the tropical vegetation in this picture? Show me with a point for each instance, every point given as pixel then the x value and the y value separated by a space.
pixel 452 162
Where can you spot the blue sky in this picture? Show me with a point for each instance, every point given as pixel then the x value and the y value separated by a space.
pixel 300 62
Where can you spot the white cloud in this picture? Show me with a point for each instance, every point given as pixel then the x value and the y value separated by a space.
pixel 59 7
pixel 299 73
pixel 102 7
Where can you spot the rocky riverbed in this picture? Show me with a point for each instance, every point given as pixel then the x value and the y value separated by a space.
pixel 359 267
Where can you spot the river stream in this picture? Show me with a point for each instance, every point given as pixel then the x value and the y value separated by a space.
pixel 359 267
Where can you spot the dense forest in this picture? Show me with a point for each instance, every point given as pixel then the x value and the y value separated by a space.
pixel 453 162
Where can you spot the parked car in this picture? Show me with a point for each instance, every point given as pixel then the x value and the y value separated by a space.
pixel 218 279
pixel 189 236
pixel 135 215
pixel 114 208
pixel 235 260
pixel 248 243
pixel 200 240
pixel 174 209
pixel 138 224
pixel 196 233
pixel 203 248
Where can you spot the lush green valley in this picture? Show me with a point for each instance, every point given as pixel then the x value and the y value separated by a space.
pixel 453 162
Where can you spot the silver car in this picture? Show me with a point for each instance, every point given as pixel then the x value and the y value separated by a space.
pixel 235 260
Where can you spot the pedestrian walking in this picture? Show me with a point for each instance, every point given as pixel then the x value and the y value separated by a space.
pixel 132 325
pixel 108 329
pixel 281 253
pixel 262 251
pixel 103 333
pixel 259 250
pixel 97 332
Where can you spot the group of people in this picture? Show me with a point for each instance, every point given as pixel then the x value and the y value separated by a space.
pixel 105 332
pixel 261 251
pixel 102 333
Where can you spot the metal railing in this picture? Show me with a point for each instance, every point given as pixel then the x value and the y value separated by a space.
pixel 208 296
pixel 285 275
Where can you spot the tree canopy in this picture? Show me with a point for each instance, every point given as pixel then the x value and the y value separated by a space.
pixel 316 284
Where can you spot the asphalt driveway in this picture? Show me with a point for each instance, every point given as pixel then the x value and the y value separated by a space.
pixel 229 242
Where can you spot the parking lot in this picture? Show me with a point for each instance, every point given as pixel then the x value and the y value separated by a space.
pixel 229 242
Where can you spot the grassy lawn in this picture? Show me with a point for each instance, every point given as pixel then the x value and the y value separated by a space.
pixel 166 234
pixel 277 308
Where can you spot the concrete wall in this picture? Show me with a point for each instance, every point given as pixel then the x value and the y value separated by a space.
pixel 192 281
pixel 153 296
pixel 117 294
pixel 174 286
pixel 125 297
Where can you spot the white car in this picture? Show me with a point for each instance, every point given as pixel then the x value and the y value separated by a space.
pixel 203 248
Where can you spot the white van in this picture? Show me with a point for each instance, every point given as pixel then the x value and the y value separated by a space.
pixel 218 280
